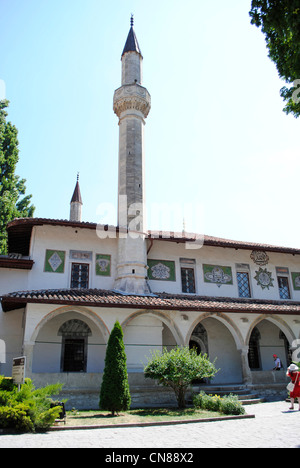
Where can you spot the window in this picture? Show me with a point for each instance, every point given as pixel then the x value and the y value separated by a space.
pixel 74 355
pixel 75 335
pixel 243 284
pixel 80 275
pixel 284 290
pixel 187 270
pixel 188 280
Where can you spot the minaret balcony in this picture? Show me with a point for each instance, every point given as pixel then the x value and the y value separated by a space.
pixel 132 96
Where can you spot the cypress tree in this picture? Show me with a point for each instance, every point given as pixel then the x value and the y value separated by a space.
pixel 114 393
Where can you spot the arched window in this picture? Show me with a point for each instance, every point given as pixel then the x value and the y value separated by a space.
pixel 75 335
pixel 199 339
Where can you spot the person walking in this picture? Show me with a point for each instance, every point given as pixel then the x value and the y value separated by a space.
pixel 294 374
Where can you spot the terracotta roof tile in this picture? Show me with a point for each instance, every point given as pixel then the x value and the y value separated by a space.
pixel 161 301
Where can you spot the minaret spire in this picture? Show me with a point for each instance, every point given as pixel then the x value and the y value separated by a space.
pixel 132 104
pixel 76 203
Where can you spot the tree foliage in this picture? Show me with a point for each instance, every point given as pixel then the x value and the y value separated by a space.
pixel 178 368
pixel 280 23
pixel 27 410
pixel 12 202
pixel 114 393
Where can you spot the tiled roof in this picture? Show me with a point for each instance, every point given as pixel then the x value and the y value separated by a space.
pixel 160 301
pixel 19 234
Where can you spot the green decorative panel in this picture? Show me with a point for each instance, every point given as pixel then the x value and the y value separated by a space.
pixel 103 265
pixel 163 270
pixel 296 281
pixel 217 274
pixel 55 261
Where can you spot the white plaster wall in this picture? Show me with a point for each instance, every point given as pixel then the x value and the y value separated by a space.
pixel 142 336
pixel 221 346
pixel 66 239
pixel 163 250
pixel 13 280
pixel 11 333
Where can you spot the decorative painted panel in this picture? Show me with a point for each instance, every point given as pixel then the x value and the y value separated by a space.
pixel 217 274
pixel 161 270
pixel 55 261
pixel 103 264
pixel 264 278
pixel 296 281
pixel 81 255
pixel 260 257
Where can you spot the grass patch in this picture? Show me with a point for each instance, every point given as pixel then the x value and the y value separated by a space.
pixel 135 416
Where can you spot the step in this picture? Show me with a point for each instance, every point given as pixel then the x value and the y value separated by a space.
pixel 252 401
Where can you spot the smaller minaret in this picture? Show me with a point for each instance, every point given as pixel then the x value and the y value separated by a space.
pixel 76 203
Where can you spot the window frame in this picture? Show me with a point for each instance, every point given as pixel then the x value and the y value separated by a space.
pixel 243 272
pixel 284 277
pixel 87 265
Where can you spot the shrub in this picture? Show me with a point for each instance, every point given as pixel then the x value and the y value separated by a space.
pixel 178 368
pixel 207 402
pixel 229 405
pixel 28 409
pixel 16 417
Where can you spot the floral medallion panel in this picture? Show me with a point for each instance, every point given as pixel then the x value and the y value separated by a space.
pixel 103 264
pixel 163 270
pixel 296 281
pixel 217 274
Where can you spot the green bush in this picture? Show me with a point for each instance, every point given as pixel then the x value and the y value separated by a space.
pixel 229 405
pixel 16 417
pixel 6 383
pixel 207 402
pixel 178 368
pixel 27 410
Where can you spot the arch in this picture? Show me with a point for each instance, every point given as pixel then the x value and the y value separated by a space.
pixel 84 311
pixel 199 337
pixel 69 339
pixel 163 317
pixel 278 321
pixel 275 337
pixel 225 320
pixel 224 344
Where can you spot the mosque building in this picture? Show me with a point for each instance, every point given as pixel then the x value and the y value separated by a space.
pixel 64 283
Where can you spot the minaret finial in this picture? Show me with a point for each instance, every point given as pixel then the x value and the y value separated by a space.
pixel 77 176
pixel 131 20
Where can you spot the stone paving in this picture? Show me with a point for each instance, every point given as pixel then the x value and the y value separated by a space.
pixel 274 426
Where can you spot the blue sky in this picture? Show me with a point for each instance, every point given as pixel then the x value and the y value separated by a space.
pixel 219 150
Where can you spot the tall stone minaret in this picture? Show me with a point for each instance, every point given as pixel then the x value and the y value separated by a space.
pixel 131 104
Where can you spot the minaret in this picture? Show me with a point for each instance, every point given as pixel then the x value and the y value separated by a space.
pixel 131 104
pixel 76 203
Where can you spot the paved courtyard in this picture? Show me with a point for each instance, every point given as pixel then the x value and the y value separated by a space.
pixel 274 426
